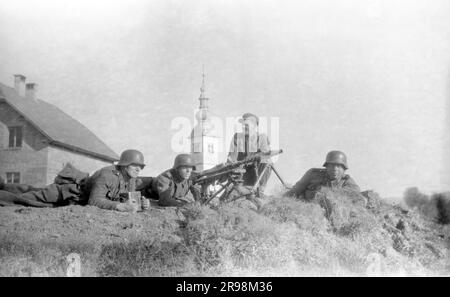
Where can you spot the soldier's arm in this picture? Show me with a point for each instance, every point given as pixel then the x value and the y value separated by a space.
pixel 233 152
pixel 144 185
pixel 350 184
pixel 143 182
pixel 264 143
pixel 300 187
pixel 196 192
pixel 264 146
pixel 99 191
pixel 165 191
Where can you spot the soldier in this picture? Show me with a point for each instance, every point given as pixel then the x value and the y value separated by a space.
pixel 247 144
pixel 66 189
pixel 103 189
pixel 174 186
pixel 333 176
pixel 109 184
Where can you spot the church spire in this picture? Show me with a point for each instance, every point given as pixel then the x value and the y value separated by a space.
pixel 202 88
pixel 203 99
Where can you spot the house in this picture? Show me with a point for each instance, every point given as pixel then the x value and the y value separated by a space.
pixel 37 138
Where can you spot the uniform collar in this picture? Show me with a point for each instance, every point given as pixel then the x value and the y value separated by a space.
pixel 117 171
pixel 344 177
pixel 176 177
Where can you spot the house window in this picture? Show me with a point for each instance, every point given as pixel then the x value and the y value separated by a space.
pixel 15 136
pixel 13 177
pixel 211 148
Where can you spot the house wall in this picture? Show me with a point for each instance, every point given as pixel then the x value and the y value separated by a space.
pixel 37 161
pixel 58 157
pixel 31 159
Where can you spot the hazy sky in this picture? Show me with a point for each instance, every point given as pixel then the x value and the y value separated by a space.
pixel 371 78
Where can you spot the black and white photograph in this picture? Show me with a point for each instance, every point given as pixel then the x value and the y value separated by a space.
pixel 224 144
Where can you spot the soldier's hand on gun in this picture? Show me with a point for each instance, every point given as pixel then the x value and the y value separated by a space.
pixel 145 203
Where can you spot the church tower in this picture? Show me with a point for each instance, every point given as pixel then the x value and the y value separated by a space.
pixel 205 139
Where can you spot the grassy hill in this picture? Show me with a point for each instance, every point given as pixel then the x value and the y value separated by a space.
pixel 340 234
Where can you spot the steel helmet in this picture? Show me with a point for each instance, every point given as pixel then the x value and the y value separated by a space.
pixel 183 160
pixel 129 157
pixel 336 157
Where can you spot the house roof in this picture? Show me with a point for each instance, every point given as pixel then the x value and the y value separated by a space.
pixel 61 129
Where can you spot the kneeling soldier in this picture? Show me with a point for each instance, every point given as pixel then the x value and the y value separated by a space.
pixel 333 176
pixel 114 187
pixel 174 186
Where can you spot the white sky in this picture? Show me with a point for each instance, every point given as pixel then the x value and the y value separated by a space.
pixel 371 78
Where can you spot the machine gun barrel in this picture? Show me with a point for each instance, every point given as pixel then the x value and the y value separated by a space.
pixel 222 169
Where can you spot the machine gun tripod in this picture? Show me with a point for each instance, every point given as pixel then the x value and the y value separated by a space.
pixel 229 179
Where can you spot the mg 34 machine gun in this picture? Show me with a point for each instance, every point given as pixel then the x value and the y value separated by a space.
pixel 227 179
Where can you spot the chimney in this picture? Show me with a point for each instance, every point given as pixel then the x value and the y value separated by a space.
pixel 30 92
pixel 19 84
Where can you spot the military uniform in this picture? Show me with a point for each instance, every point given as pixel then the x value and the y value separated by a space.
pixel 316 178
pixel 106 185
pixel 71 186
pixel 244 146
pixel 67 189
pixel 173 190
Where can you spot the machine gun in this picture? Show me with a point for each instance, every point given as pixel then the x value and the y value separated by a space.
pixel 229 178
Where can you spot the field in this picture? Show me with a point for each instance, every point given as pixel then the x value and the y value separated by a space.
pixel 340 234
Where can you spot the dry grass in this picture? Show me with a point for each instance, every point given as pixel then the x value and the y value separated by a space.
pixel 339 234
